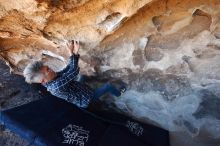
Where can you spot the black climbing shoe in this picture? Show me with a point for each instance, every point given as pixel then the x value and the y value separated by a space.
pixel 122 90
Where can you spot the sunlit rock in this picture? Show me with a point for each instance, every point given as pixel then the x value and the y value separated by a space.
pixel 167 52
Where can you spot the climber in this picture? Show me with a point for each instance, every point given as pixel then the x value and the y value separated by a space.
pixel 64 84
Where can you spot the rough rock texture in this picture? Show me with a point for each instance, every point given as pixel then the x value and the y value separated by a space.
pixel 168 52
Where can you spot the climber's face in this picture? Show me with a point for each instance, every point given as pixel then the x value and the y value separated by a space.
pixel 48 74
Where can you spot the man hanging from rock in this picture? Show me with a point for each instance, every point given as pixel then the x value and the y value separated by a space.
pixel 64 84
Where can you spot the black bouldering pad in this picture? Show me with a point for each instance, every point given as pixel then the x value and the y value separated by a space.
pixel 51 121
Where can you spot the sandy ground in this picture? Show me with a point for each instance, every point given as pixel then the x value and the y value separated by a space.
pixel 14 92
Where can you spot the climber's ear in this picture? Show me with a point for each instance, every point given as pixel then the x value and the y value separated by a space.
pixel 42 81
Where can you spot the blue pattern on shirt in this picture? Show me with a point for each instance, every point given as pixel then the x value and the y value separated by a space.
pixel 66 87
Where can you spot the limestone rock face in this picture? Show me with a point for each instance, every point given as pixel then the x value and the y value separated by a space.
pixel 167 51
